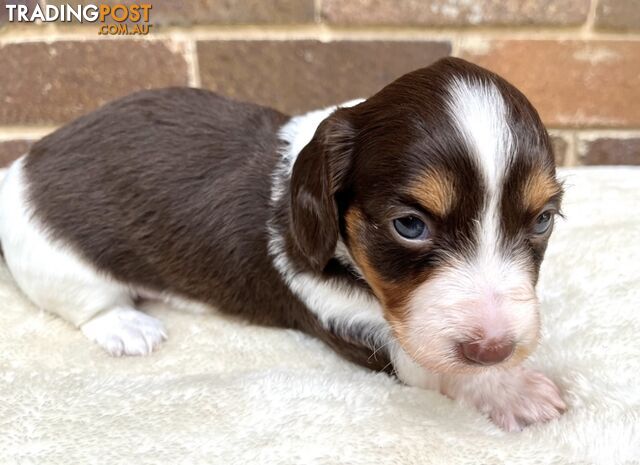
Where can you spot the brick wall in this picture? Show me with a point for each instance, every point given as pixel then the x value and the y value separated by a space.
pixel 577 60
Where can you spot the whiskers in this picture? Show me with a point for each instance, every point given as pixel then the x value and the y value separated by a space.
pixel 379 348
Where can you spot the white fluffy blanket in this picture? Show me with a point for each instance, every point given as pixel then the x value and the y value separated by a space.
pixel 223 392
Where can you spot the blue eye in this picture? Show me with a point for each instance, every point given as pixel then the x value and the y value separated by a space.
pixel 543 222
pixel 411 227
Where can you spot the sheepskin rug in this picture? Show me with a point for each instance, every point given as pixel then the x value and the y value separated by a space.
pixel 224 392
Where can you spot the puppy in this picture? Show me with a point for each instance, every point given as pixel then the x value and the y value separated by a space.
pixel 406 230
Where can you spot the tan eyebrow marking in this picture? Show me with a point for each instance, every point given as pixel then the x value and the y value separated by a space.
pixel 435 191
pixel 538 189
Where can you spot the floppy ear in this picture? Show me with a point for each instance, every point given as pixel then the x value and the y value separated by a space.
pixel 318 174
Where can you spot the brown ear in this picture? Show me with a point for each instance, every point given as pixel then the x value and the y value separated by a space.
pixel 318 174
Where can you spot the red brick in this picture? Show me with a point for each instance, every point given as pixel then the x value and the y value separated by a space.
pixel 12 149
pixel 618 15
pixel 571 83
pixel 52 83
pixel 456 12
pixel 226 12
pixel 609 151
pixel 297 76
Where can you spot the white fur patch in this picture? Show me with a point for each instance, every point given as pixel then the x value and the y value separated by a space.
pixel 59 281
pixel 480 114
pixel 54 277
pixel 334 305
pixel 410 372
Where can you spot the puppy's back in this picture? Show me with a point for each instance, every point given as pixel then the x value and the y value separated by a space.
pixel 165 189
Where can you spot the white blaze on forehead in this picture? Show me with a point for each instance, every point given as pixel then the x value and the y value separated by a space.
pixel 481 116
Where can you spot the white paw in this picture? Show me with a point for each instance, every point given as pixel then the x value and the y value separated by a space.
pixel 528 397
pixel 125 331
pixel 513 398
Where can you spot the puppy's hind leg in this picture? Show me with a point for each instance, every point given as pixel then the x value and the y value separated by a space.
pixel 123 330
pixel 58 279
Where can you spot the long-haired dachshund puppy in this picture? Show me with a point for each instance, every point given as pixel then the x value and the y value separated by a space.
pixel 405 230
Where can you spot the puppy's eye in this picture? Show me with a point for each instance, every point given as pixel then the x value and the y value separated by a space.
pixel 543 222
pixel 411 227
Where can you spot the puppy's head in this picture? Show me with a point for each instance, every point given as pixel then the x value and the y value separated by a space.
pixel 443 188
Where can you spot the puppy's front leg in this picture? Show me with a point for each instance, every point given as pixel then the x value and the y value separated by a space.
pixel 512 397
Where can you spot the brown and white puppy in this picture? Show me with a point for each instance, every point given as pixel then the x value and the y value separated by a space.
pixel 405 230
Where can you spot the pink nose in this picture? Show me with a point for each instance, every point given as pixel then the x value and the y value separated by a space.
pixel 487 352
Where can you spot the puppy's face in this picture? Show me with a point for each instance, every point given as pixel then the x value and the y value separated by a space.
pixel 445 193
